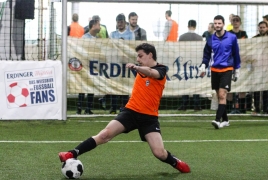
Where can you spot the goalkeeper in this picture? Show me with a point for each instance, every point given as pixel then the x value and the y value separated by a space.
pixel 223 52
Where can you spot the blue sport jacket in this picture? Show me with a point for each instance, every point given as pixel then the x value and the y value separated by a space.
pixel 224 51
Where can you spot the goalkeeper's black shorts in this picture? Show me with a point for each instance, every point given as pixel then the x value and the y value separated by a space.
pixel 221 80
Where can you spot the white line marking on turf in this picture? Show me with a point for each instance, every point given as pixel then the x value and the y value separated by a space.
pixel 175 141
pixel 190 121
pixel 167 115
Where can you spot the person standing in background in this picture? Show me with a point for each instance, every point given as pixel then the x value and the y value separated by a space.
pixel 236 23
pixel 171 31
pixel 263 31
pixel 75 29
pixel 265 18
pixel 103 30
pixel 231 97
pixel 230 26
pixel 140 34
pixel 209 32
pixel 94 29
pixel 122 32
pixel 191 36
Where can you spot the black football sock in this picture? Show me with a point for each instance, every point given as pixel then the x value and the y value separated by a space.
pixel 170 160
pixel 242 103
pixel 220 111
pixel 114 102
pixel 83 147
pixel 224 116
pixel 90 99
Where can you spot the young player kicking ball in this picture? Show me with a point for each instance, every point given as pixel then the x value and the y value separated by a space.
pixel 141 111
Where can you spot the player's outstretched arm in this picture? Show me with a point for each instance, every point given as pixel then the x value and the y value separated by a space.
pixel 147 71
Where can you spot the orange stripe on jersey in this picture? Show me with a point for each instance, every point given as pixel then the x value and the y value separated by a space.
pixel 222 69
pixel 146 95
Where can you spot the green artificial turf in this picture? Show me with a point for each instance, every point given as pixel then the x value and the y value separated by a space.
pixel 29 150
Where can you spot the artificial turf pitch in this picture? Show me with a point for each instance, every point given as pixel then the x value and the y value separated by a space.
pixel 29 150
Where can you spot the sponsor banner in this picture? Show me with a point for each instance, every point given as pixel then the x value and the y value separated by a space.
pixel 99 66
pixel 31 89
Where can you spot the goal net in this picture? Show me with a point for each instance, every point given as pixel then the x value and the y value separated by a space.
pixel 97 79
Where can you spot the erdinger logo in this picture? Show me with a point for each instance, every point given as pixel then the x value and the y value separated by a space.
pixel 75 64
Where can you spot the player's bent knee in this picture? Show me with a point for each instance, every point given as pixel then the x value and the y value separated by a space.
pixel 104 135
pixel 159 153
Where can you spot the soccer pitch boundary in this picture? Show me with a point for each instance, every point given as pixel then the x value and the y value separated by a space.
pixel 177 121
pixel 167 115
pixel 175 141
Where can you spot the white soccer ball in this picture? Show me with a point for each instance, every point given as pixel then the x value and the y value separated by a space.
pixel 72 168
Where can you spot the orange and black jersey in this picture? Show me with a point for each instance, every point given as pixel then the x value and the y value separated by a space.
pixel 147 92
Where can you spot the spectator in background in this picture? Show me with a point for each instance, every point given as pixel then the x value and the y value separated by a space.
pixel 171 28
pixel 230 26
pixel 122 32
pixel 140 34
pixel 263 31
pixel 103 30
pixel 226 58
pixel 209 32
pixel 231 97
pixel 94 29
pixel 191 36
pixel 265 18
pixel 80 103
pixel 86 28
pixel 236 22
pixel 75 29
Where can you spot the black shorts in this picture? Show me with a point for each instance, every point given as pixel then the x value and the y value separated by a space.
pixel 221 80
pixel 132 120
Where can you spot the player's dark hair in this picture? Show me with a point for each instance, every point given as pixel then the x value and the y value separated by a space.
pixel 91 23
pixel 168 12
pixel 219 17
pixel 263 22
pixel 192 23
pixel 147 48
pixel 132 14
